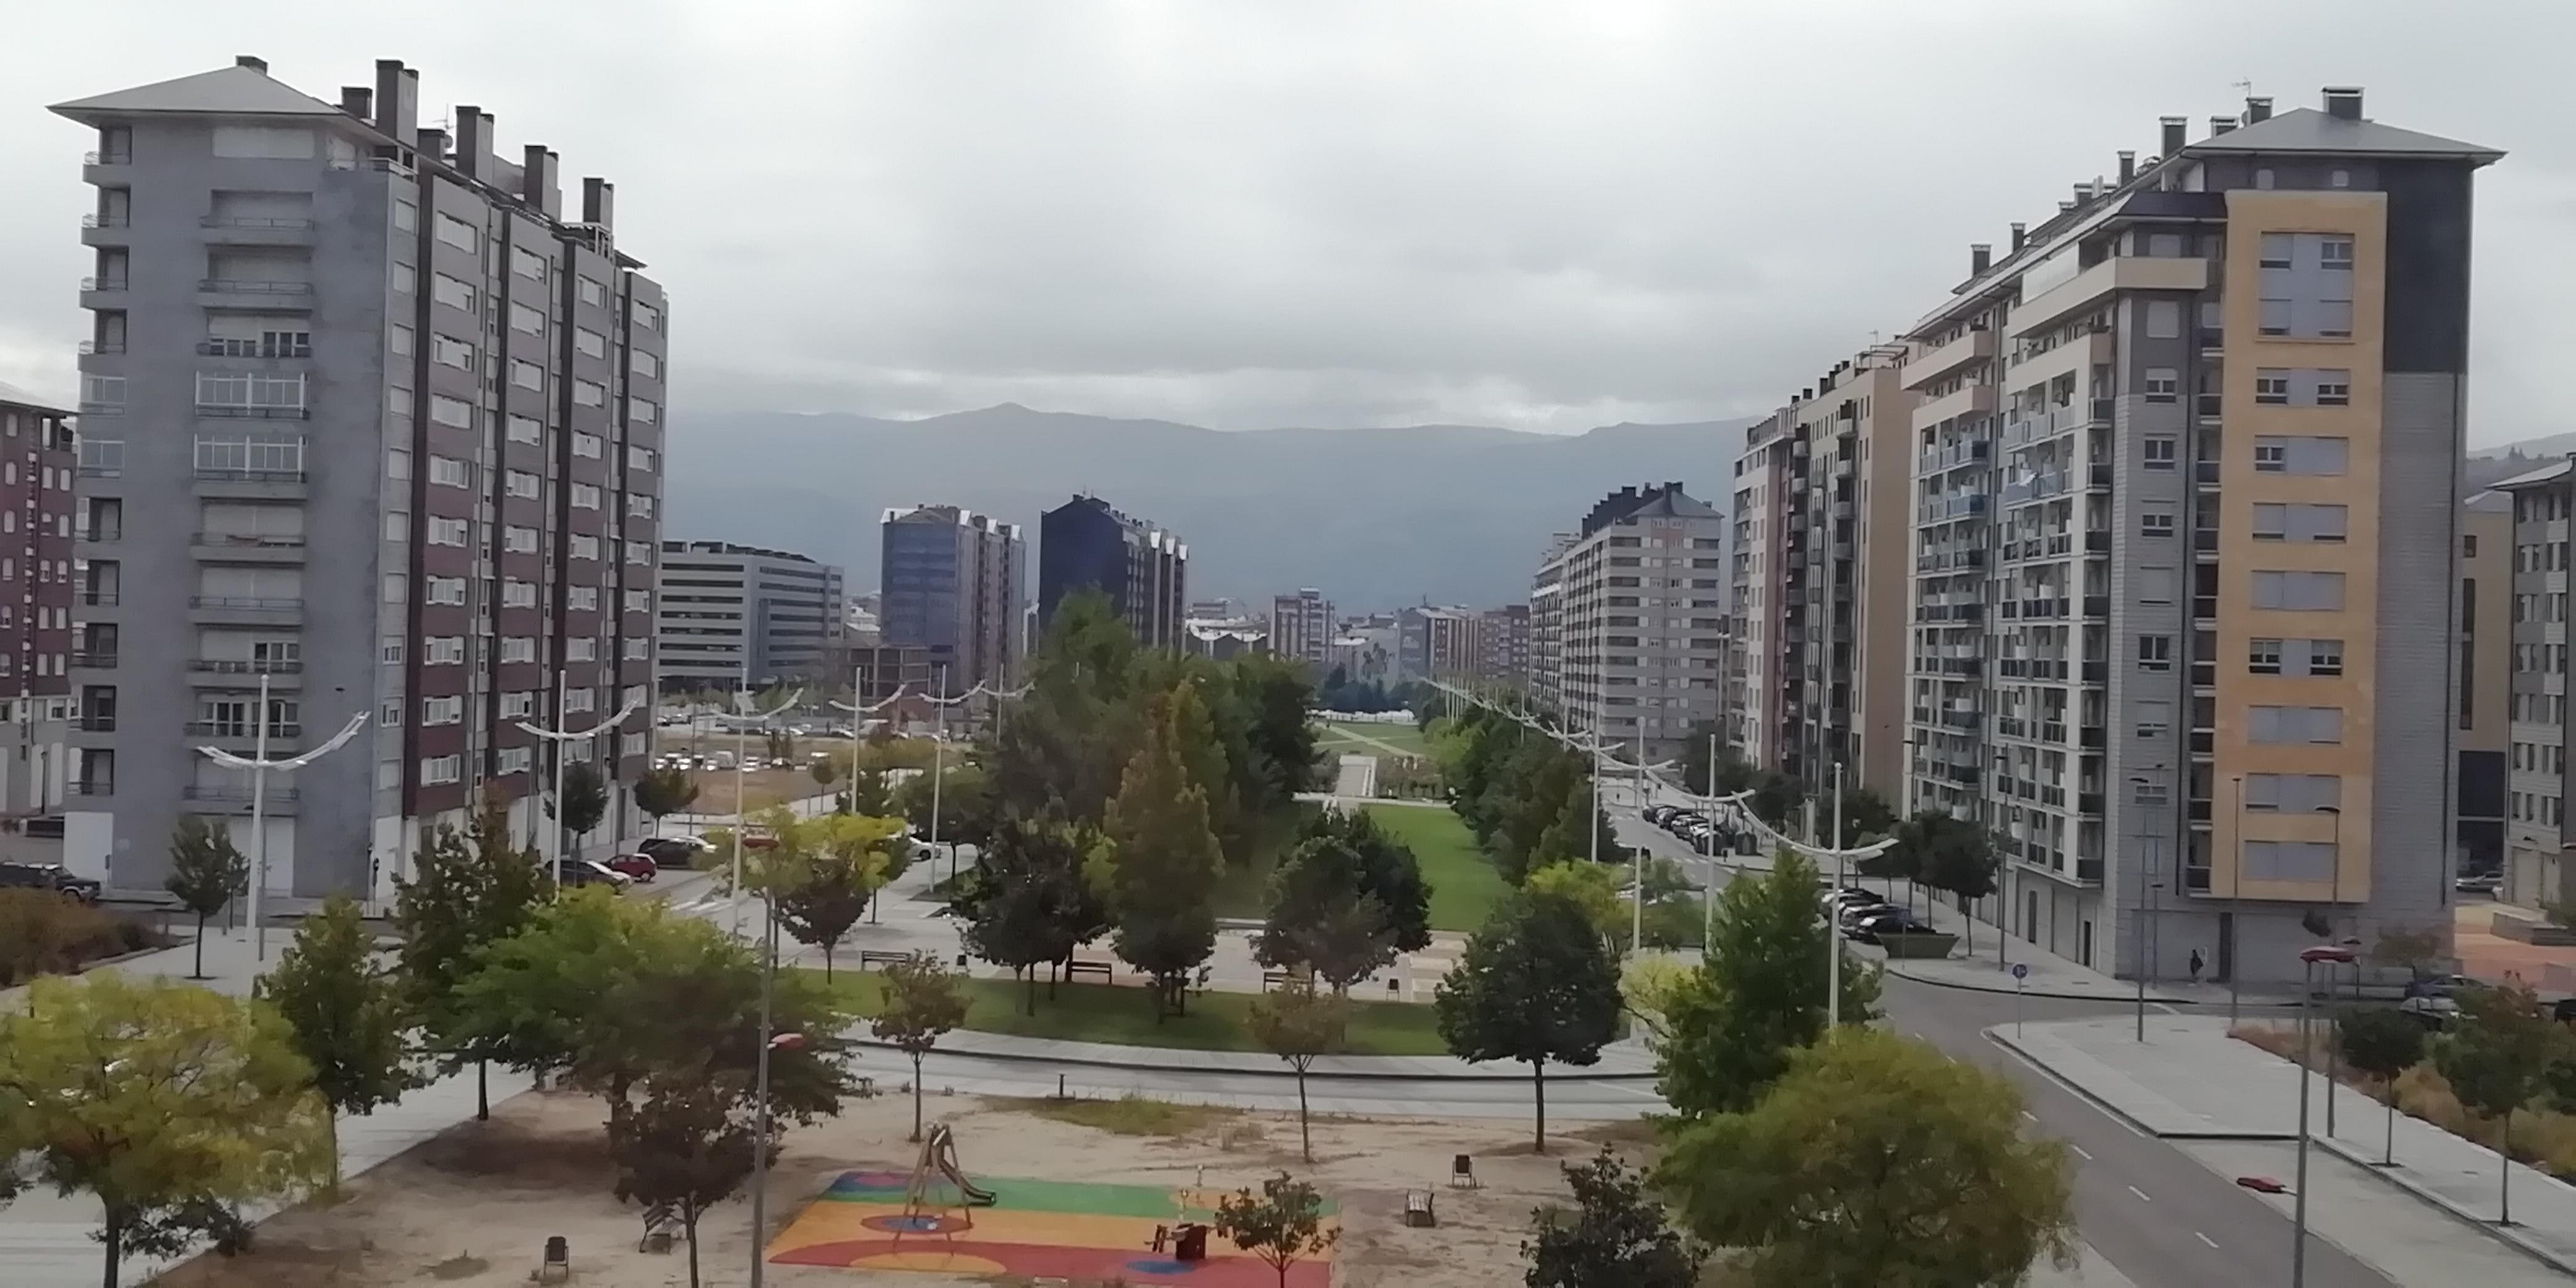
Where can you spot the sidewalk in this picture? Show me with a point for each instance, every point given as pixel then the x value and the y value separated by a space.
pixel 2189 1080
pixel 1624 1062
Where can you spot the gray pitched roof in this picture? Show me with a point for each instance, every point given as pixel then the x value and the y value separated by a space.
pixel 2306 129
pixel 12 395
pixel 2528 478
pixel 236 91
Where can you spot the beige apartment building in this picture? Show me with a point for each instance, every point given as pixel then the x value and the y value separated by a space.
pixel 1629 619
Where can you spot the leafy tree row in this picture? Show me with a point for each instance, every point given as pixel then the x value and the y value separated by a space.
pixel 1526 798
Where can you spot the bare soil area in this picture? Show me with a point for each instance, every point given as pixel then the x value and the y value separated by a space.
pixel 475 1206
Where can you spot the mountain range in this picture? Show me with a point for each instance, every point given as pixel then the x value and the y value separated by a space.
pixel 1376 518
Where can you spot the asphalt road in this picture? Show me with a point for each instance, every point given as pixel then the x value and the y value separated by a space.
pixel 2153 1212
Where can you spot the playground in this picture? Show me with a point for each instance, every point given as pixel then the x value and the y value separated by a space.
pixel 935 1219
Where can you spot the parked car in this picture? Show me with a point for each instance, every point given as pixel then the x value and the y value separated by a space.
pixel 1852 916
pixel 2431 1010
pixel 1656 814
pixel 576 873
pixel 673 851
pixel 48 876
pixel 2486 883
pixel 635 867
pixel 1895 922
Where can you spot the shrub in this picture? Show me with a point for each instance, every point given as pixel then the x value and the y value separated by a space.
pixel 43 933
pixel 2542 1138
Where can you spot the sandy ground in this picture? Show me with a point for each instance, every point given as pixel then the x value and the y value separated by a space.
pixel 474 1207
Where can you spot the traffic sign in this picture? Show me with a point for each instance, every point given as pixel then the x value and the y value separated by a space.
pixel 2021 970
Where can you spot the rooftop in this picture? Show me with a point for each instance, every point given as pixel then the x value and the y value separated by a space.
pixel 13 396
pixel 238 90
pixel 2308 129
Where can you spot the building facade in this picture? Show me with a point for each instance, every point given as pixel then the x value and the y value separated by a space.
pixel 2212 505
pixel 38 646
pixel 1503 645
pixel 323 326
pixel 1637 619
pixel 953 583
pixel 2535 870
pixel 1765 687
pixel 743 615
pixel 1301 628
pixel 1143 569
pixel 2484 676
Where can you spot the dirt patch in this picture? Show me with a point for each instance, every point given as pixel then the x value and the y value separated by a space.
pixel 474 1206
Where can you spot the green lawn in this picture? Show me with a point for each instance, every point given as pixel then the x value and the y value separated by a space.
pixel 1106 1013
pixel 1464 885
pixel 1338 738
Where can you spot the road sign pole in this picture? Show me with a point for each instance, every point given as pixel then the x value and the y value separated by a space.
pixel 2020 973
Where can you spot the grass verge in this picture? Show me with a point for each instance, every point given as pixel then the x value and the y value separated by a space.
pixel 1464 885
pixel 1109 1013
pixel 1129 1115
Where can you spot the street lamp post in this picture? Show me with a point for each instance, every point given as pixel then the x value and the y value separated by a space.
pixel 939 764
pixel 2235 908
pixel 741 816
pixel 563 738
pixel 2334 902
pixel 259 764
pixel 2308 959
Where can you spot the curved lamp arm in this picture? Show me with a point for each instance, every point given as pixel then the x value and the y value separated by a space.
pixel 631 707
pixel 231 761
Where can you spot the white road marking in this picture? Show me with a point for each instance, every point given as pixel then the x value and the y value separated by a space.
pixel 2213 1243
pixel 2079 1151
pixel 2142 1194
pixel 2029 1115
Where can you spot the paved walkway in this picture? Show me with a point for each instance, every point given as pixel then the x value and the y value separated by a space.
pixel 1625 1061
pixel 2190 1081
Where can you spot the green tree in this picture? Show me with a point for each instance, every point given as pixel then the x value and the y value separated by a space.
pixel 664 792
pixel 1297 1024
pixel 1158 876
pixel 1593 887
pixel 966 803
pixel 1282 1225
pixel 1536 984
pixel 822 872
pixel 1389 872
pixel 1070 739
pixel 1875 1160
pixel 2495 1061
pixel 1616 1236
pixel 1277 695
pixel 688 1147
pixel 1734 774
pixel 868 794
pixel 1776 797
pixel 923 1002
pixel 1565 841
pixel 585 799
pixel 466 890
pixel 1865 815
pixel 170 1103
pixel 2383 1044
pixel 347 1016
pixel 824 772
pixel 1951 854
pixel 1759 994
pixel 207 872
pixel 1322 917
pixel 1025 903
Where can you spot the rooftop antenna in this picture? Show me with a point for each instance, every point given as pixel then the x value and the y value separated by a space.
pixel 2245 87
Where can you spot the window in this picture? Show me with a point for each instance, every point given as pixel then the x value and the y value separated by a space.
pixel 406 216
pixel 2263 178
pixel 521 703
pixel 442 650
pixel 647 318
pixel 518 594
pixel 457 233
pixel 2155 717
pixel 511 760
pixel 519 540
pixel 582 599
pixel 641 459
pixel 639 601
pixel 586 445
pixel 451 352
pixel 2163 384
pixel 2270 521
pixel 2289 861
pixel 398 339
pixel 521 483
pixel 2322 725
pixel 2298 591
pixel 2325 657
pixel 2271 456
pixel 2155 652
pixel 590 291
pixel 2263 657
pixel 645 365
pixel 437 771
pixel 443 590
pixel 636 648
pixel 2158 451
pixel 2272 386
pixel 581 649
pixel 2155 523
pixel 527 263
pixel 2164 317
pixel 639 505
pixel 518 648
pixel 453 292
pixel 631 744
pixel 250 390
pixel 397 462
pixel 527 375
pixel 585 496
pixel 451 411
pixel 2299 454
pixel 2150 791
pixel 2334 252
pixel 2339 179
pixel 395 588
pixel 643 411
pixel 446 532
pixel 2155 585
pixel 589 343
pixel 526 429
pixel 2334 388
pixel 2276 250
pixel 398 402
pixel 2274 318
pixel 2274 521
pixel 447 471
pixel 589 393
pixel 582 699
pixel 527 318
pixel 584 547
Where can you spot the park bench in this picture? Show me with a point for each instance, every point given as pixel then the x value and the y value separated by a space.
pixel 883 957
pixel 1075 969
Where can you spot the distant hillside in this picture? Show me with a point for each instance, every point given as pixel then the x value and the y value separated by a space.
pixel 2487 466
pixel 1375 517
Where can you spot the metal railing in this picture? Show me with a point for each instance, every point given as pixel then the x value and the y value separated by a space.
pixel 254 540
pixel 218 348
pixel 242 286
pixel 256 603
pixel 93 659
pixel 250 221
pixel 220 474
pixel 243 729
pixel 236 795
pixel 241 666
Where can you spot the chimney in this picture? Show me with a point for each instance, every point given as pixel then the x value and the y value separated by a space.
pixel 599 202
pixel 473 141
pixel 2343 102
pixel 358 101
pixel 2128 167
pixel 2083 194
pixel 1980 258
pixel 251 61
pixel 397 97
pixel 2219 125
pixel 2257 110
pixel 2173 129
pixel 2065 206
pixel 433 143
pixel 537 184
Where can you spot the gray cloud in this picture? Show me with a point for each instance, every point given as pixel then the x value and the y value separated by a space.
pixel 1539 215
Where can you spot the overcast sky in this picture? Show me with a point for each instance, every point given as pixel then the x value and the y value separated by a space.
pixel 1242 214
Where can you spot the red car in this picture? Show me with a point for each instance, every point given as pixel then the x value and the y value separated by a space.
pixel 636 866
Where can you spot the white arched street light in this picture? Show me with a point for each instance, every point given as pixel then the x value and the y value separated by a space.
pixel 742 705
pixel 561 737
pixel 259 764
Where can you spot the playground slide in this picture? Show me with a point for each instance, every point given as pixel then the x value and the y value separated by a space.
pixel 944 1146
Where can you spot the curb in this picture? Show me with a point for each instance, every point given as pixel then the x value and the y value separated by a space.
pixel 2502 1234
pixel 1997 1036
pixel 1283 1071
pixel 1891 968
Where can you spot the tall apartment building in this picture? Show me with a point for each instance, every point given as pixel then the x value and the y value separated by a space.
pixel 37 644
pixel 325 327
pixel 1855 424
pixel 2186 470
pixel 1547 627
pixel 1764 683
pixel 746 615
pixel 2536 825
pixel 1144 570
pixel 1638 619
pixel 954 584
pixel 2484 671
pixel 1503 645
pixel 1301 627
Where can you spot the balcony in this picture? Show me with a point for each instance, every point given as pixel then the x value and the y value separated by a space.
pixel 2204 471
pixel 2089 871
pixel 2097 542
pixel 2091 736
pixel 2089 803
pixel 236 800
pixel 107 534
pixel 102 293
pixel 222 482
pixel 2097 605
pixel 243 729
pixel 95 598
pixel 223 348
pixel 2097 671
pixel 95 723
pixel 1939 362
pixel 241 230
pixel 259 609
pixel 2119 273
pixel 1967 400
pixel 106 230
pixel 113 169
pixel 93 660
pixel 247 547
pixel 92 787
pixel 246 293
pixel 2098 477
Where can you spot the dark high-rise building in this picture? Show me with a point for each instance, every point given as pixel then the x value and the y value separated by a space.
pixel 952 585
pixel 1143 569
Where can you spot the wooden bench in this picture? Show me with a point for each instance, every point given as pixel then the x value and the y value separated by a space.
pixel 883 957
pixel 1417 1209
pixel 1075 969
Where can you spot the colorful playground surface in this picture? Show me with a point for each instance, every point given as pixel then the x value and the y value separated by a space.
pixel 1070 1230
